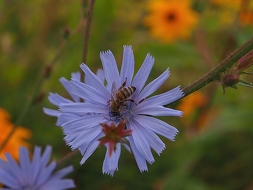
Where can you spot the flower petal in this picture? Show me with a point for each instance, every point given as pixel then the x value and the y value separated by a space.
pixel 77 139
pixel 153 86
pixel 94 81
pixel 56 99
pixel 110 68
pixel 67 85
pixel 165 98
pixel 141 142
pixel 110 164
pixel 157 126
pixel 91 148
pixel 156 110
pixel 83 108
pixel 66 117
pixel 142 74
pixel 140 160
pixel 155 142
pixel 127 68
pixel 88 93
pixel 85 122
pixel 51 112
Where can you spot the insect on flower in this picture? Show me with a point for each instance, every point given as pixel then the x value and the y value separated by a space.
pixel 120 98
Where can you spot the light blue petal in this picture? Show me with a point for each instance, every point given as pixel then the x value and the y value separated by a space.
pixel 110 68
pixel 12 166
pixel 157 126
pixel 9 174
pixel 153 86
pixel 51 112
pixel 45 174
pixel 85 122
pixel 83 108
pixel 140 160
pixel 127 68
pixel 67 85
pixel 91 148
pixel 165 98
pixel 58 184
pixel 56 99
pixel 66 117
pixel 143 74
pixel 101 75
pixel 141 142
pixel 89 93
pixel 94 81
pixel 24 162
pixel 42 161
pixel 8 180
pixel 110 164
pixel 155 142
pixel 76 76
pixel 75 140
pixel 156 110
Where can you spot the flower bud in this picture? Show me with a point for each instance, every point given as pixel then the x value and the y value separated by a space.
pixel 245 62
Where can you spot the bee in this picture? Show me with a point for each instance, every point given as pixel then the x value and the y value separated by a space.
pixel 120 98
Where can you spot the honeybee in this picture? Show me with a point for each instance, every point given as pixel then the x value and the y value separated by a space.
pixel 120 98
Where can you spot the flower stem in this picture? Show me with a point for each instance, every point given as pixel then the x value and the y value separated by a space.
pixel 216 71
pixel 87 30
pixel 63 161
pixel 46 73
pixel 86 33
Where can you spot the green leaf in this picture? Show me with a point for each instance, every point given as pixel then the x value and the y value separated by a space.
pixel 245 83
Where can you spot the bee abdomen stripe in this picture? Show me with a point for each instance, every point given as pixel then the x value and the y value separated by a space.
pixel 128 91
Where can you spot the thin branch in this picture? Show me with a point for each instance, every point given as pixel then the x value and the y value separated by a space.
pixel 87 30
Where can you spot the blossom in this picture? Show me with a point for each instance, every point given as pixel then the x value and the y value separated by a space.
pixel 84 130
pixel 33 174
pixel 17 139
pixel 169 20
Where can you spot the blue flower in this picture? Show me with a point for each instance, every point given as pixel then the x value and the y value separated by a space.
pixel 122 97
pixel 35 174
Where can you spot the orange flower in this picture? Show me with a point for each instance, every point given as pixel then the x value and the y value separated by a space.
pixel 16 140
pixel 246 18
pixel 191 102
pixel 170 20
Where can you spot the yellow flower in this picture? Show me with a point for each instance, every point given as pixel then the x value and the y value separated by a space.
pixel 16 140
pixel 170 20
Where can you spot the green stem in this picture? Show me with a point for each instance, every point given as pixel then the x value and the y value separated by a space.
pixel 87 30
pixel 64 161
pixel 216 71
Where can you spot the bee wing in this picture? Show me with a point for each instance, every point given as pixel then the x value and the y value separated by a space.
pixel 113 90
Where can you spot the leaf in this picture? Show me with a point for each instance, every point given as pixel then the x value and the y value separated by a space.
pixel 245 83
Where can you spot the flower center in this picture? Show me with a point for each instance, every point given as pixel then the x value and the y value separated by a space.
pixel 123 112
pixel 170 17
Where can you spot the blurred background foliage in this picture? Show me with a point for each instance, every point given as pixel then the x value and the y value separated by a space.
pixel 214 148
